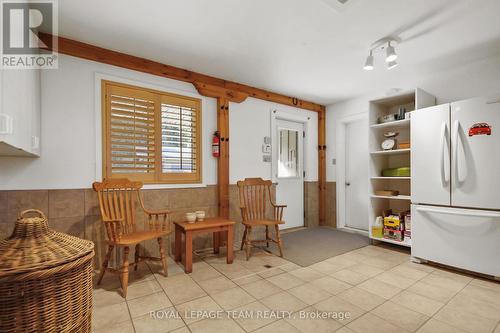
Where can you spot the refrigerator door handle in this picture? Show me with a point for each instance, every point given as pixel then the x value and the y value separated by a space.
pixel 458 166
pixel 445 175
pixel 455 148
pixel 460 212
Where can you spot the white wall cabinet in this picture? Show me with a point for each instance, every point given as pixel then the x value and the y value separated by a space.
pixel 20 112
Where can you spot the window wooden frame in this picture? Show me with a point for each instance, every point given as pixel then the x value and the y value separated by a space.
pixel 159 98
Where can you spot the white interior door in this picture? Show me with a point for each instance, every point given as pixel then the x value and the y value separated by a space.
pixel 430 155
pixel 356 174
pixel 290 171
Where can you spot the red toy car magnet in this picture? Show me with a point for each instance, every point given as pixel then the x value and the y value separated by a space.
pixel 480 129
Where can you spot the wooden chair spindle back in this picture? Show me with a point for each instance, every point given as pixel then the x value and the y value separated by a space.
pixel 254 195
pixel 117 201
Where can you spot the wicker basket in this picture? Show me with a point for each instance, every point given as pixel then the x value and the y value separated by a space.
pixel 45 279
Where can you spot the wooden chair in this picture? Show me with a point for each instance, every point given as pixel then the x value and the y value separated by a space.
pixel 254 195
pixel 117 203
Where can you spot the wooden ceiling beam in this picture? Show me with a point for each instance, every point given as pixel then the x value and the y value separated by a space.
pixel 91 52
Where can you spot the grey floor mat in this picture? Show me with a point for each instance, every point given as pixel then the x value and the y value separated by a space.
pixel 308 246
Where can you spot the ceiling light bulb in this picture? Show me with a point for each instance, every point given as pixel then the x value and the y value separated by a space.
pixel 392 64
pixel 369 62
pixel 391 53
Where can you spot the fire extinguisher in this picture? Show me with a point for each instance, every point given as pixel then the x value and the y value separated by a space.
pixel 216 145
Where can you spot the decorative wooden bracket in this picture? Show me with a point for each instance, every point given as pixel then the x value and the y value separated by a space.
pixel 218 92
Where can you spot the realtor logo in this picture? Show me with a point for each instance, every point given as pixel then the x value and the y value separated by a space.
pixel 23 24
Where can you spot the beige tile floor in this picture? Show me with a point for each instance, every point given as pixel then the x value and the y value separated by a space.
pixel 378 287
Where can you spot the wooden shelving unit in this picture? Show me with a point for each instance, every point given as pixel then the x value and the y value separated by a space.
pixel 382 159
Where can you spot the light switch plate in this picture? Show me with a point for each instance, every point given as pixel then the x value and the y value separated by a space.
pixel 35 142
pixel 6 124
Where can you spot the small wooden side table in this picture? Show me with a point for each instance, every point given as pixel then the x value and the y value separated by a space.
pixel 216 225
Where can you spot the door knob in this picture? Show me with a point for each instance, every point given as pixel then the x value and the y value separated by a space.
pixel 347 184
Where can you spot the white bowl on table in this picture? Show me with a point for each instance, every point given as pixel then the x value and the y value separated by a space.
pixel 191 217
pixel 200 215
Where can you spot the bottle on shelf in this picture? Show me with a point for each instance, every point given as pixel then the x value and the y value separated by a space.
pixel 378 227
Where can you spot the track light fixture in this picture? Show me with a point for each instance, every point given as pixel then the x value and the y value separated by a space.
pixel 384 45
pixel 369 62
pixel 391 53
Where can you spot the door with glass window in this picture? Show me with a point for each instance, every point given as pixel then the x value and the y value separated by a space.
pixel 289 169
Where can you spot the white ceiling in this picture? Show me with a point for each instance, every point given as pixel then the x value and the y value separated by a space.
pixel 302 48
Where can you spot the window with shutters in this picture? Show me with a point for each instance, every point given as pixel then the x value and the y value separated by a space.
pixel 151 136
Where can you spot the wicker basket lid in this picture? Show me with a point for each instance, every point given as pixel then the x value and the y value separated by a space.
pixel 34 246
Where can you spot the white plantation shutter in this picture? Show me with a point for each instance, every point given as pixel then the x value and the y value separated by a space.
pixel 178 134
pixel 151 136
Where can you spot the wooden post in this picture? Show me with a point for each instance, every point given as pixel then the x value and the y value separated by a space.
pixel 223 161
pixel 322 166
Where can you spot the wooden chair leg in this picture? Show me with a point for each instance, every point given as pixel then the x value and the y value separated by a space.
pixel 248 242
pixel 136 257
pixel 267 235
pixel 243 239
pixel 105 263
pixel 124 270
pixel 278 239
pixel 163 258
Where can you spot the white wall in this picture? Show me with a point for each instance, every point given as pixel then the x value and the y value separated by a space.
pixel 475 79
pixel 70 135
pixel 249 123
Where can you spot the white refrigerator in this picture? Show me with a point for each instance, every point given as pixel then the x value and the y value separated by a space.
pixel 455 184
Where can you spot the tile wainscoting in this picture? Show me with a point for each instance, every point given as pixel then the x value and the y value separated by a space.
pixel 76 211
pixel 311 193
